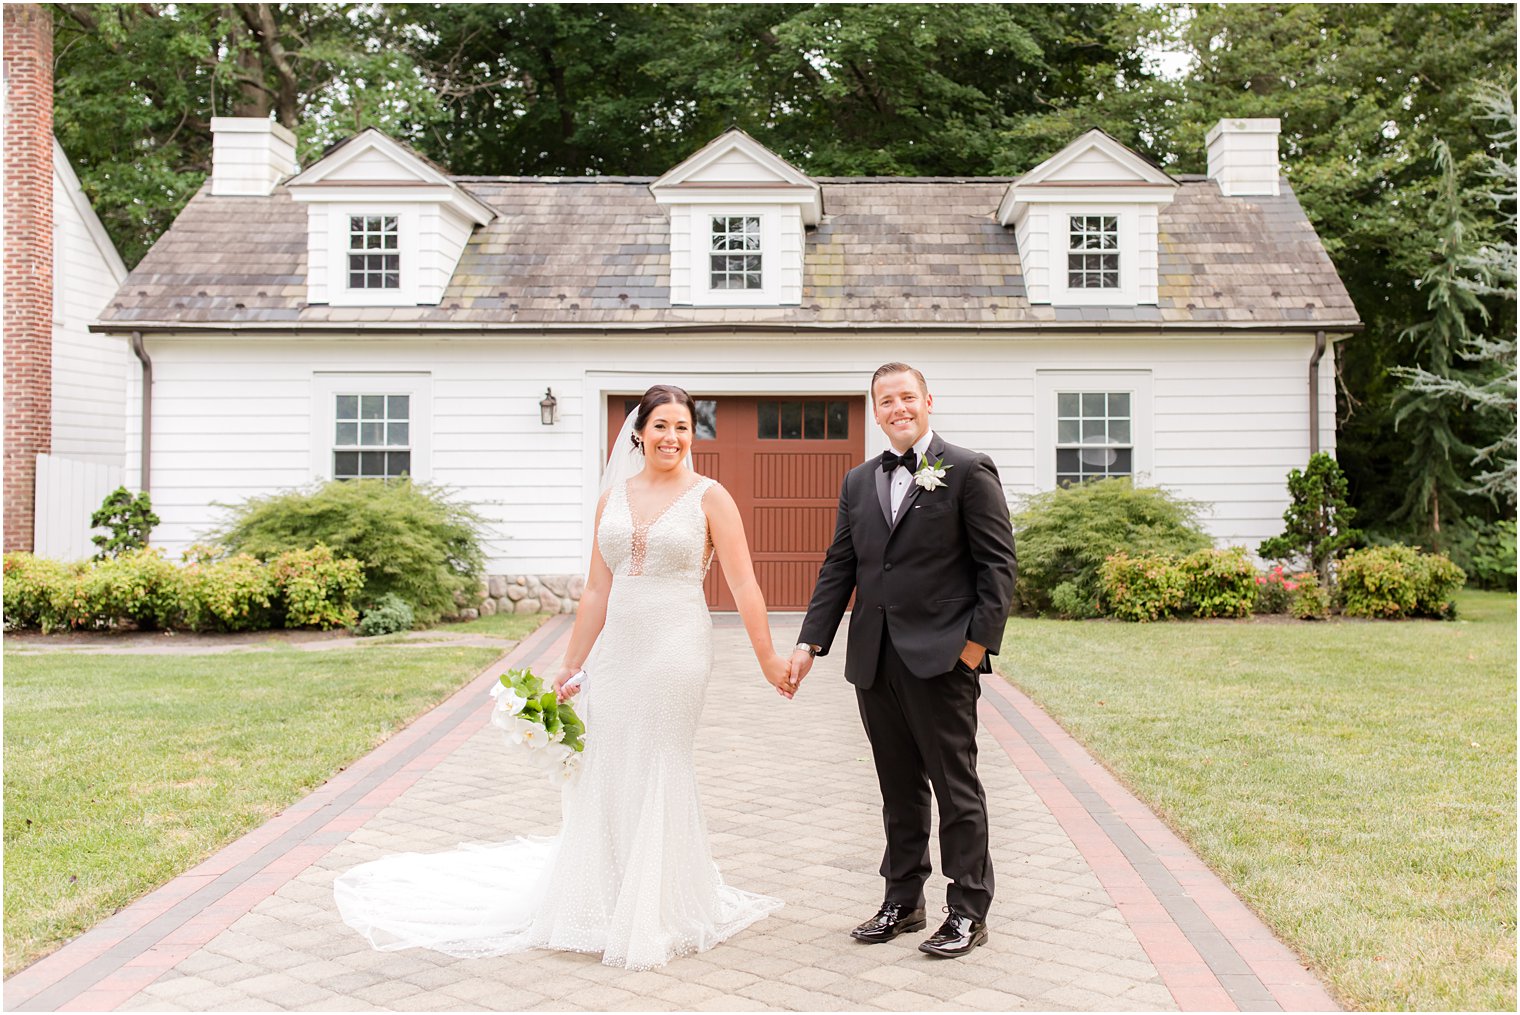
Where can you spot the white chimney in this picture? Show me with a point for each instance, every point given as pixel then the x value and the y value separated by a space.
pixel 1243 157
pixel 249 155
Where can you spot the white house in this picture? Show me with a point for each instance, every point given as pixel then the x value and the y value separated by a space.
pixel 374 315
pixel 90 372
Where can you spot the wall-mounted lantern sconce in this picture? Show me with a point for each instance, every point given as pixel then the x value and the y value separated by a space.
pixel 547 408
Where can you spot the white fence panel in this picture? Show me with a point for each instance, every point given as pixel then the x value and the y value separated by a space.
pixel 68 493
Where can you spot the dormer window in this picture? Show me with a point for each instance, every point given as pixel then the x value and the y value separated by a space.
pixel 1092 259
pixel 1087 225
pixel 737 252
pixel 738 216
pixel 374 252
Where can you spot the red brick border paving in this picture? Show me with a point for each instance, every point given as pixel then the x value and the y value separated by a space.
pixel 1212 952
pixel 115 960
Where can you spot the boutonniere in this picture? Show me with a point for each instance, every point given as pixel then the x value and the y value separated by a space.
pixel 931 475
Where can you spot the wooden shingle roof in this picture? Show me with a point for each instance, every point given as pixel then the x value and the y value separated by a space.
pixel 594 252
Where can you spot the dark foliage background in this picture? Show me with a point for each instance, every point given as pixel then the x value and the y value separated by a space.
pixel 1364 91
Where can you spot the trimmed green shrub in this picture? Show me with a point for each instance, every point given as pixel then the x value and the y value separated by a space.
pixel 1317 525
pixel 134 587
pixel 1065 535
pixel 1397 581
pixel 411 540
pixel 317 589
pixel 38 592
pixel 232 594
pixel 1219 583
pixel 389 615
pixel 130 519
pixel 1151 587
pixel 1310 600
pixel 1486 551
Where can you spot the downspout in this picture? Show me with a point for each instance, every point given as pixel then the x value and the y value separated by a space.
pixel 147 407
pixel 1319 352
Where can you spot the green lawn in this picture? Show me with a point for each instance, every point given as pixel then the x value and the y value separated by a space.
pixel 122 771
pixel 1353 781
pixel 500 625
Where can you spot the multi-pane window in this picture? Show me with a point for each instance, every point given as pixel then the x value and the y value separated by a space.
pixel 1094 436
pixel 799 420
pixel 1092 259
pixel 374 252
pixel 706 421
pixel 736 252
pixel 374 436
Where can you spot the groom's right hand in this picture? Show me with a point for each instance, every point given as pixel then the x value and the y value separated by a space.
pixel 801 663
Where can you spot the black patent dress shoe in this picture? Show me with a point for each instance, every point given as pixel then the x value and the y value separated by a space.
pixel 892 919
pixel 956 937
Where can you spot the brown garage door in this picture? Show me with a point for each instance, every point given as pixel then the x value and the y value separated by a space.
pixel 782 459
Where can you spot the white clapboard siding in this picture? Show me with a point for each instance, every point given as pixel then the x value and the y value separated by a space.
pixel 1228 416
pixel 89 370
pixel 68 493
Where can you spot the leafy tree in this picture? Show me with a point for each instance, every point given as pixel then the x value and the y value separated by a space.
pixel 130 519
pixel 136 86
pixel 1318 519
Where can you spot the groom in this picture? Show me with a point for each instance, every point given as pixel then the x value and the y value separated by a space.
pixel 924 542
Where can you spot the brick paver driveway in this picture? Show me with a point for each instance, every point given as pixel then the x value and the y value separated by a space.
pixel 1098 905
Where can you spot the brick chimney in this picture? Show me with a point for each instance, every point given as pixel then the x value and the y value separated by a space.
pixel 1243 156
pixel 28 262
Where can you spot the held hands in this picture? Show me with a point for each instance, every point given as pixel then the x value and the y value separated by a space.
pixel 778 673
pixel 800 663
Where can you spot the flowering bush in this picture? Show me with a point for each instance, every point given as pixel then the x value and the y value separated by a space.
pixel 233 594
pixel 1398 581
pixel 1152 587
pixel 1219 583
pixel 1274 591
pixel 534 718
pixel 316 588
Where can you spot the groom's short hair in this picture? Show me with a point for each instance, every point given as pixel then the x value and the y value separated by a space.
pixel 886 369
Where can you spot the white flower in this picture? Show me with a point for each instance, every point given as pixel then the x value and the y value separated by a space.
pixel 931 475
pixel 534 735
pixel 512 726
pixel 508 701
pixel 557 736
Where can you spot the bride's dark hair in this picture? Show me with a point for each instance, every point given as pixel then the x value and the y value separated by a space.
pixel 660 394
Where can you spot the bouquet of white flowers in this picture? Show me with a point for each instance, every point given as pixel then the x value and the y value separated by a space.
pixel 530 715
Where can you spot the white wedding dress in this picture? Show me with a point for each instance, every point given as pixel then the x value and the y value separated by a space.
pixel 630 875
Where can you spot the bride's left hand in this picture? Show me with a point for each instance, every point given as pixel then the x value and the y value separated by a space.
pixel 779 673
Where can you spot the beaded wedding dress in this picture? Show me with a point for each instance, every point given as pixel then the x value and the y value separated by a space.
pixel 630 876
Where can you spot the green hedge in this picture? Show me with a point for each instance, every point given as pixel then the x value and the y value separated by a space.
pixel 1398 581
pixel 1065 535
pixel 140 588
pixel 411 540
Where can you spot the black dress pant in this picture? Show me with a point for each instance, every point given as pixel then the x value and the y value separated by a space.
pixel 923 736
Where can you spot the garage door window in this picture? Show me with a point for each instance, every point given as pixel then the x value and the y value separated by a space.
pixel 799 420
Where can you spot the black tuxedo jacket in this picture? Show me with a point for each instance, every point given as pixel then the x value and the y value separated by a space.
pixel 942 575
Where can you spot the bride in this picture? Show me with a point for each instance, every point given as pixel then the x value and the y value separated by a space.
pixel 630 875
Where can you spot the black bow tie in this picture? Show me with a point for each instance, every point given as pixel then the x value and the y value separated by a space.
pixel 890 460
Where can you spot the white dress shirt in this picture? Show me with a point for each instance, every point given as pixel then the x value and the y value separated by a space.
pixel 902 478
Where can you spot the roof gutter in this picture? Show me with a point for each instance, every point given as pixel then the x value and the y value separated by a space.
pixel 1319 351
pixel 486 330
pixel 147 407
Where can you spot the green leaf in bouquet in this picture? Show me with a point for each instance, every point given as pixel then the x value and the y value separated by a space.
pixel 548 703
pixel 574 741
